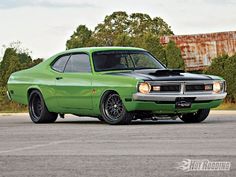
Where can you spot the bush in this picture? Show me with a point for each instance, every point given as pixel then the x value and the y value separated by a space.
pixel 14 59
pixel 173 56
pixel 8 106
pixel 225 67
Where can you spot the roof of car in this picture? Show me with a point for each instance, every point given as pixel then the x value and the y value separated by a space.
pixel 93 49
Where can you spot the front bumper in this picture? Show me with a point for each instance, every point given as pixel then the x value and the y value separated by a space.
pixel 173 97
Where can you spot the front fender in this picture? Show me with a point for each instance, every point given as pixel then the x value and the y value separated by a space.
pixel 124 86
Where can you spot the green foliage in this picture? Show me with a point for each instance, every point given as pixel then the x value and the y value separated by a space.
pixel 7 105
pixel 114 26
pixel 225 67
pixel 128 27
pixel 80 38
pixel 36 61
pixel 14 59
pixel 137 30
pixel 173 56
pixel 151 43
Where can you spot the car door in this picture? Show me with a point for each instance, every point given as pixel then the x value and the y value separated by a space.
pixel 73 85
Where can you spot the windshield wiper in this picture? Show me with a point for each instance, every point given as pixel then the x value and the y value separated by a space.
pixel 139 68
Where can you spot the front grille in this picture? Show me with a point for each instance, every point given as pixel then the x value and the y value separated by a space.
pixel 181 87
pixel 193 88
pixel 170 88
pixel 201 87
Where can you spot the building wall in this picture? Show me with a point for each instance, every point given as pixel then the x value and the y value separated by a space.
pixel 199 50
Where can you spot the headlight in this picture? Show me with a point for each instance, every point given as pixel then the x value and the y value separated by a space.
pixel 144 87
pixel 218 87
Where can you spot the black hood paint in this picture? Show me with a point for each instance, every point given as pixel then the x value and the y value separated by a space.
pixel 152 75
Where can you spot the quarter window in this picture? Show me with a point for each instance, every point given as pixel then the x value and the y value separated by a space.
pixel 78 63
pixel 59 65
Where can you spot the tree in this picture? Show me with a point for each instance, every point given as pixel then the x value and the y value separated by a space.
pixel 80 38
pixel 151 43
pixel 113 26
pixel 36 61
pixel 11 62
pixel 173 56
pixel 141 24
pixel 14 59
pixel 224 66
pixel 133 26
pixel 121 29
pixel 136 29
pixel 218 65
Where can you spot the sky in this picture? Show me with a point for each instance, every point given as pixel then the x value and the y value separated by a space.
pixel 44 26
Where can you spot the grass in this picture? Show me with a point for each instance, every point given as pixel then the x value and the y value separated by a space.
pixel 7 106
pixel 14 111
pixel 226 106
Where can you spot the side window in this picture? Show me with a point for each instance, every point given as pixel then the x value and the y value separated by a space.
pixel 59 65
pixel 78 63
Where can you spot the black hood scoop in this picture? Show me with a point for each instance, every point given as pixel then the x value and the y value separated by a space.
pixel 163 75
pixel 167 72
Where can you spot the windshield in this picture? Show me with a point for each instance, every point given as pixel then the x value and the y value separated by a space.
pixel 124 60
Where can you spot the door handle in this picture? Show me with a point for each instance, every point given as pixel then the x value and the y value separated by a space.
pixel 59 78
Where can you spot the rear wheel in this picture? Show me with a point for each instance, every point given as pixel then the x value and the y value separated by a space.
pixel 113 111
pixel 196 117
pixel 37 109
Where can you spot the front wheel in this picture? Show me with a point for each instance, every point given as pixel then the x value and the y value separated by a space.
pixel 196 117
pixel 37 109
pixel 113 110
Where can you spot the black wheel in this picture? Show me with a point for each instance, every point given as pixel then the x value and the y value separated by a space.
pixel 196 117
pixel 37 109
pixel 113 111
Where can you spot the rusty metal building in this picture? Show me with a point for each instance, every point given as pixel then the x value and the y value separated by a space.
pixel 199 50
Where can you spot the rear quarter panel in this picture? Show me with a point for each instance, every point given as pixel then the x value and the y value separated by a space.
pixel 38 77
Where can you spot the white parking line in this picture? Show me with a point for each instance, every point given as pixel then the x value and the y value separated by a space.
pixel 223 112
pixel 14 114
pixel 34 146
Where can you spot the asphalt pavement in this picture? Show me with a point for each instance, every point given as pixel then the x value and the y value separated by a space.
pixel 82 146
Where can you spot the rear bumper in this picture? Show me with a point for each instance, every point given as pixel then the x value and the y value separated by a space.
pixel 173 97
pixel 8 95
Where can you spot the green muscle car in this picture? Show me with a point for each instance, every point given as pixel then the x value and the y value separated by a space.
pixel 116 85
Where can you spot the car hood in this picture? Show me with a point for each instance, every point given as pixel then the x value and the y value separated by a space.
pixel 162 75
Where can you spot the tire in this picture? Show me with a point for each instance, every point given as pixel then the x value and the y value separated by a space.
pixel 100 118
pixel 197 117
pixel 37 109
pixel 113 110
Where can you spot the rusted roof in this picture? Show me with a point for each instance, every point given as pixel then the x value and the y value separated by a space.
pixel 198 50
